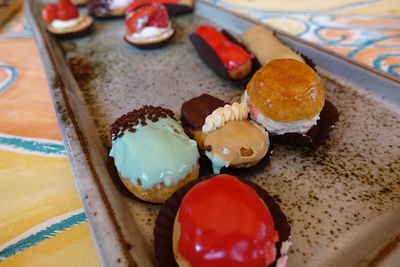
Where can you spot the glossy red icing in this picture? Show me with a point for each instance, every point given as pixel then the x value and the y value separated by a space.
pixel 224 223
pixel 229 53
pixel 132 6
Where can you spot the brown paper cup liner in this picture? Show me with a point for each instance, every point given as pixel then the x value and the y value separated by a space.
pixel 165 221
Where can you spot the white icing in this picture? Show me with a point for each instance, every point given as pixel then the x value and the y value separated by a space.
pixel 274 127
pixel 218 118
pixel 151 33
pixel 62 24
pixel 116 4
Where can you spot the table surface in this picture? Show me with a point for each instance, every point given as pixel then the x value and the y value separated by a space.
pixel 42 222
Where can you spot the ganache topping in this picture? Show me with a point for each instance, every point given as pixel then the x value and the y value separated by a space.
pixel 137 117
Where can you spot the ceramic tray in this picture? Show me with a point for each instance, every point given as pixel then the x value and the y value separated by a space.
pixel 342 200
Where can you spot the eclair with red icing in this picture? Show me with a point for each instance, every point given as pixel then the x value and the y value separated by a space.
pixel 223 221
pixel 174 7
pixel 224 133
pixel 225 57
pixel 63 19
pixel 149 27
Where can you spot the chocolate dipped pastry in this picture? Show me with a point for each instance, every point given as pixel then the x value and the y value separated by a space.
pixel 224 133
pixel 174 7
pixel 287 97
pixel 63 19
pixel 222 221
pixel 153 155
pixel 224 57
pixel 149 27
pixel 107 8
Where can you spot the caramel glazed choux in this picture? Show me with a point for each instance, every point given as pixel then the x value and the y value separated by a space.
pixel 153 155
pixel 224 132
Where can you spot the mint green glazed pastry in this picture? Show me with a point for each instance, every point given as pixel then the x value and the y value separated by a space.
pixel 153 155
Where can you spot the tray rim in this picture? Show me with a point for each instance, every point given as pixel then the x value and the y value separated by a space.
pixel 54 74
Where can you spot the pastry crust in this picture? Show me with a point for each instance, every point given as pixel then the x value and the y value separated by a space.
pixel 159 193
pixel 151 43
pixel 286 90
pixel 81 28
pixel 241 72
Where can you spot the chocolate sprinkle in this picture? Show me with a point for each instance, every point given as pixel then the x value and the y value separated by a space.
pixel 138 116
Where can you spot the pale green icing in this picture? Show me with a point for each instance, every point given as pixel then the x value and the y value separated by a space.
pixel 155 153
pixel 217 162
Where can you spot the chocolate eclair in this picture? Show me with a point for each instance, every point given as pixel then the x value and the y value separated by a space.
pixel 224 132
pixel 224 56
pixel 149 27
pixel 63 19
pixel 174 7
pixel 287 97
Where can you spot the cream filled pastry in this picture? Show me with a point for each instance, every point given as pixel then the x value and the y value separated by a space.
pixel 64 19
pixel 107 8
pixel 285 96
pixel 224 132
pixel 149 26
pixel 262 43
pixel 153 155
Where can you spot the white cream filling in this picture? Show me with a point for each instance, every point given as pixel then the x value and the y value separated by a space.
pixel 116 4
pixel 151 33
pixel 274 127
pixel 62 24
pixel 222 115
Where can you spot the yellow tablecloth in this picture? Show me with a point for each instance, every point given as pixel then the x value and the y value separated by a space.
pixel 42 222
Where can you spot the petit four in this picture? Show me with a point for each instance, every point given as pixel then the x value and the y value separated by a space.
pixel 107 8
pixel 149 27
pixel 64 19
pixel 153 155
pixel 174 7
pixel 221 221
pixel 287 97
pixel 224 132
pixel 224 57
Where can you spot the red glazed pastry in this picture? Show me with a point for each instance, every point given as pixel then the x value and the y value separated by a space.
pixel 63 19
pixel 149 27
pixel 223 56
pixel 174 7
pixel 224 222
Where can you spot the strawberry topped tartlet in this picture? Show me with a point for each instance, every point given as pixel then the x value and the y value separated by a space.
pixel 64 19
pixel 149 27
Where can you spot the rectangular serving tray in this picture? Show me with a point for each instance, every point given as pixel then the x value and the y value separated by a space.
pixel 342 200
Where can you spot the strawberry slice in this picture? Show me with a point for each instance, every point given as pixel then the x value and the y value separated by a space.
pixel 49 12
pixel 135 4
pixel 155 15
pixel 67 10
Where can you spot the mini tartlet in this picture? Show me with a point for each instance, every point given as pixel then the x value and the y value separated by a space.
pixel 225 57
pixel 149 27
pixel 224 132
pixel 221 221
pixel 153 155
pixel 63 19
pixel 107 8
pixel 287 97
pixel 174 7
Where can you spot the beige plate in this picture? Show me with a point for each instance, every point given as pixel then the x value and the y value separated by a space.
pixel 342 200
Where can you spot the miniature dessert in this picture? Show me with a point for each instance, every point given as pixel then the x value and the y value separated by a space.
pixel 222 221
pixel 224 132
pixel 287 97
pixel 174 7
pixel 64 19
pixel 262 43
pixel 107 8
pixel 149 27
pixel 224 57
pixel 152 153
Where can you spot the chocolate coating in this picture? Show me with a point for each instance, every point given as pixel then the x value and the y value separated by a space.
pixel 98 7
pixel 195 111
pixel 317 135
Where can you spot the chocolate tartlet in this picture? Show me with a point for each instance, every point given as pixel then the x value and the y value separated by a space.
pixel 164 228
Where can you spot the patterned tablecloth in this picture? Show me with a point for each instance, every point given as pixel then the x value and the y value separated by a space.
pixel 42 222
